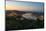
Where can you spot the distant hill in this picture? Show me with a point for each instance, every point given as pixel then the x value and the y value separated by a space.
pixel 14 12
pixel 23 12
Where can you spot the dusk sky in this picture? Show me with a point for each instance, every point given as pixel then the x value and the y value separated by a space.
pixel 24 6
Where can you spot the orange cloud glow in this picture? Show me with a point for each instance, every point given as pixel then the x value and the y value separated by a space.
pixel 11 7
pixel 23 8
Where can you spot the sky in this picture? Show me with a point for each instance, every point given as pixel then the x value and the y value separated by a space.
pixel 24 6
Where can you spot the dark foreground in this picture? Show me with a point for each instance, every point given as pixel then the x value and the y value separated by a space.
pixel 13 24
